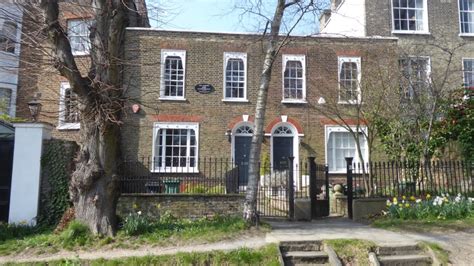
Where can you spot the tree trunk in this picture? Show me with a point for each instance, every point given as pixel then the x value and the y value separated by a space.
pixel 94 186
pixel 250 204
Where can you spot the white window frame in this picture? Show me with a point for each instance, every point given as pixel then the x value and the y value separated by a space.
pixel 179 53
pixel 460 22
pixel 62 125
pixel 227 57
pixel 12 38
pixel 175 125
pixel 328 129
pixel 428 67
pixel 425 21
pixel 464 70
pixel 85 21
pixel 357 60
pixel 285 59
pixel 10 104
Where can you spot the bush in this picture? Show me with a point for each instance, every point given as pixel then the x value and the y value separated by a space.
pixel 76 234
pixel 195 189
pixel 17 231
pixel 136 224
pixel 439 207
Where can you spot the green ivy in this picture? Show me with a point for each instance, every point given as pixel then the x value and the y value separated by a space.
pixel 56 165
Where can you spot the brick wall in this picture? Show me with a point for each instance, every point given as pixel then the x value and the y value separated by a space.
pixel 204 64
pixel 181 206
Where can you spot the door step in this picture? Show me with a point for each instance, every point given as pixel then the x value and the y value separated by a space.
pixel 402 255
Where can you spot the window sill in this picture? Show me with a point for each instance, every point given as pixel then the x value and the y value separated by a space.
pixel 411 32
pixel 80 54
pixel 236 100
pixel 466 34
pixel 69 126
pixel 172 99
pixel 293 101
pixel 182 170
pixel 9 54
pixel 348 102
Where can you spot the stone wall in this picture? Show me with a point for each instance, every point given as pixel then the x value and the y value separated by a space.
pixel 181 205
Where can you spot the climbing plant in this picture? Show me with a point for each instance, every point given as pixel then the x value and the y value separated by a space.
pixel 56 165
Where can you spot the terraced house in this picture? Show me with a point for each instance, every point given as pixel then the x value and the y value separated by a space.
pixel 193 96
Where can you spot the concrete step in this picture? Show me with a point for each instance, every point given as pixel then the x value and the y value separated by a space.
pixel 300 246
pixel 305 258
pixel 405 260
pixel 398 250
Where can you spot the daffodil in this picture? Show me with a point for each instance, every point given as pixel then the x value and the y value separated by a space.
pixel 400 205
pixel 412 198
pixel 404 198
pixel 407 205
pixel 428 196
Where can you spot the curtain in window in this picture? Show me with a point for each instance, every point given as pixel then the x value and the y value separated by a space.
pixel 408 15
pixel 342 145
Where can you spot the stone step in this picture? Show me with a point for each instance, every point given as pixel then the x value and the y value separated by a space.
pixel 300 246
pixel 405 260
pixel 305 258
pixel 398 250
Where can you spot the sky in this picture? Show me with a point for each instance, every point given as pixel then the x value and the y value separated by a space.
pixel 215 16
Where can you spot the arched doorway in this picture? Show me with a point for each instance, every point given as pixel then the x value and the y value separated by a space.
pixel 241 141
pixel 284 143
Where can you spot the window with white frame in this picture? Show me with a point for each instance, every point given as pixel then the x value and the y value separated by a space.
pixel 5 100
pixel 294 78
pixel 468 73
pixel 340 143
pixel 349 79
pixel 78 32
pixel 8 36
pixel 68 108
pixel 175 147
pixel 173 69
pixel 235 80
pixel 410 16
pixel 466 16
pixel 415 76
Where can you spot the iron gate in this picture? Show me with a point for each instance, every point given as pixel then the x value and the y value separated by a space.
pixel 6 164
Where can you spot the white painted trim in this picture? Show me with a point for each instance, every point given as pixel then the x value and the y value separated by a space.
pixel 84 20
pixel 243 57
pixel 357 60
pixel 241 123
pixel 425 21
pixel 165 53
pixel 463 34
pixel 61 124
pixel 296 142
pixel 285 59
pixel 462 67
pixel 175 125
pixel 336 128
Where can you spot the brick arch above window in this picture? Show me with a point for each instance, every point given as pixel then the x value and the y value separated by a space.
pixel 283 119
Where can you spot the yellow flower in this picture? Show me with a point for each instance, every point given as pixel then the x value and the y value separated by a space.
pixel 400 205
pixel 404 198
pixel 428 196
pixel 135 206
pixel 412 198
pixel 407 205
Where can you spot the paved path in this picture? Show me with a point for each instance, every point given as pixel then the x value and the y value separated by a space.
pixel 460 244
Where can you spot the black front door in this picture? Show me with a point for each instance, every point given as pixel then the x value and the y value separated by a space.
pixel 6 165
pixel 241 156
pixel 282 149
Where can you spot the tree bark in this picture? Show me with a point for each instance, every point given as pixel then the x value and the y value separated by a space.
pixel 250 204
pixel 94 188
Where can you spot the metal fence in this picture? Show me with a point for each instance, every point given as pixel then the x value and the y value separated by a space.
pixel 395 179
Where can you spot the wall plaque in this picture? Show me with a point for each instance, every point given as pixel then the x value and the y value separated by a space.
pixel 204 88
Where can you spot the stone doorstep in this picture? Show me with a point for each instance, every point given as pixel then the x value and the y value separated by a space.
pixel 297 257
pixel 388 250
pixel 402 260
pixel 287 246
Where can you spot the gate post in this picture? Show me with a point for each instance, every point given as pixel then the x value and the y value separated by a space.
pixel 313 193
pixel 349 186
pixel 326 176
pixel 291 190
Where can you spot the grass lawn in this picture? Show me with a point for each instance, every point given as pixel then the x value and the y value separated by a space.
pixel 425 225
pixel 441 254
pixel 352 251
pixel 267 255
pixel 14 240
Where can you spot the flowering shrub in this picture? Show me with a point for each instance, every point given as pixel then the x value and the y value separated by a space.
pixel 439 207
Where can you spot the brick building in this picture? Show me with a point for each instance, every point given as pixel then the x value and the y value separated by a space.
pixel 428 32
pixel 178 124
